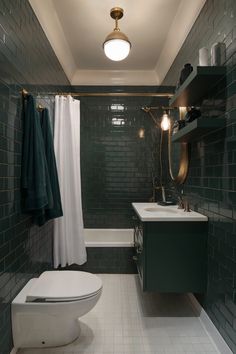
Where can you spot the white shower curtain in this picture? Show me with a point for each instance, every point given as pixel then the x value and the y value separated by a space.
pixel 69 245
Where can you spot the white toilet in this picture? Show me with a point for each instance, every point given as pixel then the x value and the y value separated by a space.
pixel 45 313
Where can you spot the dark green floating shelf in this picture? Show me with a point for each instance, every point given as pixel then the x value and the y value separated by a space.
pixel 196 129
pixel 197 85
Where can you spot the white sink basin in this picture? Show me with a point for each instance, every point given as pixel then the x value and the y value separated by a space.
pixel 161 210
pixel 154 212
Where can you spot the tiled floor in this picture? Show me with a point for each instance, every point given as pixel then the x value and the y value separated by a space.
pixel 125 320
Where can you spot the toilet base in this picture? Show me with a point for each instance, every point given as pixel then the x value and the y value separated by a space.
pixel 40 337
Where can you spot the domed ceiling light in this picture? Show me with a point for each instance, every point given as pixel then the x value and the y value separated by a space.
pixel 116 45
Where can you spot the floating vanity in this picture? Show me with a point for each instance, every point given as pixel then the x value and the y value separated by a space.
pixel 171 248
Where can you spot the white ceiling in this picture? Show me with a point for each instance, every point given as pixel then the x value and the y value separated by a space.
pixel 86 23
pixel 76 30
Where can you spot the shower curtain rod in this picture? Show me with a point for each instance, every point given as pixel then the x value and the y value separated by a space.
pixel 148 109
pixel 104 94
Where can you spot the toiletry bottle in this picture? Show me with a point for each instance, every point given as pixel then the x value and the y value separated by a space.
pixel 218 54
pixel 203 57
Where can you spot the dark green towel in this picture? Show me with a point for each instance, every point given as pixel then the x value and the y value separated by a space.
pixel 39 181
pixel 55 210
pixel 35 181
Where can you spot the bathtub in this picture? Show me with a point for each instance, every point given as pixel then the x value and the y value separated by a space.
pixel 109 237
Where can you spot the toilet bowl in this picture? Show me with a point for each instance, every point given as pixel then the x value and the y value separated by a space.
pixel 45 313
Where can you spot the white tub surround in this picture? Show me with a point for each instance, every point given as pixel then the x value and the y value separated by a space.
pixel 155 212
pixel 109 237
pixel 109 251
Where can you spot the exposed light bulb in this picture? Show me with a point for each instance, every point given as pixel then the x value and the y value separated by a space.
pixel 141 133
pixel 165 122
pixel 182 112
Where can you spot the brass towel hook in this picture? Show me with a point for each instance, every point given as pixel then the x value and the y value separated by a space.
pixel 24 92
pixel 40 107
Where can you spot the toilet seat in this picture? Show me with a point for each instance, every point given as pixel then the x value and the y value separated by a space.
pixel 64 286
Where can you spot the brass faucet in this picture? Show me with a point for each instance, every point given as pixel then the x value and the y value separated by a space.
pixel 183 204
pixel 186 205
pixel 180 203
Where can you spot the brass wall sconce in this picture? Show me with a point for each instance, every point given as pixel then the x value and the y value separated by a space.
pixel 183 158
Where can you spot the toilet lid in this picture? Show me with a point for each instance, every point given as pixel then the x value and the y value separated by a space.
pixel 64 286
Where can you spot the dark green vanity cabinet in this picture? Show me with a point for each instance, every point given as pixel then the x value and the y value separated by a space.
pixel 171 256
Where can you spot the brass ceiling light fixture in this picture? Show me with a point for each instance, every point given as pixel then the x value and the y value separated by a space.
pixel 116 45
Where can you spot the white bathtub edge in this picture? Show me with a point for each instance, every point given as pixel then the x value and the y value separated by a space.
pixel 109 237
pixel 109 244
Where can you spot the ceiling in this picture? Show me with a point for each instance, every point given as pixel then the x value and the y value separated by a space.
pixel 76 30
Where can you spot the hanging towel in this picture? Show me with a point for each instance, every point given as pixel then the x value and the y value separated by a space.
pixel 40 188
pixel 54 211
pixel 35 181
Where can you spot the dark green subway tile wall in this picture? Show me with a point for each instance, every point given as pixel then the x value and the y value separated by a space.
pixel 26 60
pixel 211 183
pixel 117 166
pixel 109 260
